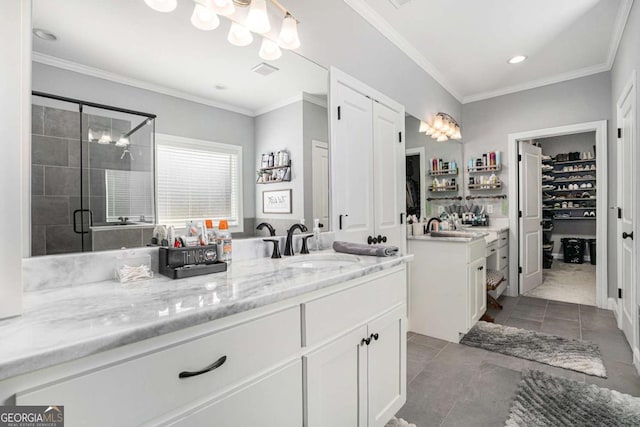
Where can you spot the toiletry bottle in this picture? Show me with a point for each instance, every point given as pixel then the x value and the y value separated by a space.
pixel 223 241
pixel 271 159
pixel 316 234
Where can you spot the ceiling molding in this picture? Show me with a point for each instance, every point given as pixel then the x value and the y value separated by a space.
pixel 618 30
pixel 379 23
pixel 117 78
pixel 320 102
pixel 280 104
pixel 559 78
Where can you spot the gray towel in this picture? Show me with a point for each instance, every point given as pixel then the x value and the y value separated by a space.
pixel 362 249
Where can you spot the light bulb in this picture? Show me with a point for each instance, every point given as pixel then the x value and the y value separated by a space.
pixel 105 138
pixel 438 123
pixel 458 135
pixel 451 131
pixel 445 126
pixel 423 127
pixel 442 138
pixel 269 50
pixel 288 38
pixel 90 136
pixel 239 35
pixel 203 17
pixel 162 5
pixel 223 7
pixel 257 19
pixel 429 130
pixel 436 134
pixel 123 141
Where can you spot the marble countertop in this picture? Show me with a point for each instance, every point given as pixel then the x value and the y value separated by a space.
pixel 70 322
pixel 427 237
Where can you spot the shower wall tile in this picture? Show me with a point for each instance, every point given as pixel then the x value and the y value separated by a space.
pixel 116 239
pixel 74 153
pixel 97 182
pixel 98 123
pixel 37 180
pixel 118 126
pixel 46 210
pixel 62 239
pixel 99 209
pixel 61 123
pixel 38 240
pixel 37 119
pixel 50 151
pixel 61 181
pixel 108 157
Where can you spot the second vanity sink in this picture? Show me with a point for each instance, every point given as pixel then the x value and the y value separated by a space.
pixel 321 261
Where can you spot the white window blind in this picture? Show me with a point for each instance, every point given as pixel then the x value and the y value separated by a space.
pixel 197 182
pixel 129 194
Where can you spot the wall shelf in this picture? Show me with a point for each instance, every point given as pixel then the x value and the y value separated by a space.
pixel 485 187
pixel 446 189
pixel 272 171
pixel 485 169
pixel 443 172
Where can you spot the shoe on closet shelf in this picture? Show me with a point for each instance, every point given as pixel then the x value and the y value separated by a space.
pixel 586 214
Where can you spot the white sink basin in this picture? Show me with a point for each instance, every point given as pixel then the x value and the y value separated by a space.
pixel 321 261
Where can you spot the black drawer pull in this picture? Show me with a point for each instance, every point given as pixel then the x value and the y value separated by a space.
pixel 504 257
pixel 627 235
pixel 375 336
pixel 480 268
pixel 366 341
pixel 493 250
pixel 214 365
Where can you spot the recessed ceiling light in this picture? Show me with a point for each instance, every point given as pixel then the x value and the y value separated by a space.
pixel 517 59
pixel 44 35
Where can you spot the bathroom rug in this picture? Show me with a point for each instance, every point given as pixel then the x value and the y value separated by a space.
pixel 567 353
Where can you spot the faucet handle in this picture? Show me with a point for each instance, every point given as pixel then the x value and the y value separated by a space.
pixel 305 246
pixel 276 247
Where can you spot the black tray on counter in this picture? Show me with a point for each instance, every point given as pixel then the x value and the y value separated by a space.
pixel 178 263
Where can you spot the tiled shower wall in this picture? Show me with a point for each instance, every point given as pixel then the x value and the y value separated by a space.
pixel 55 180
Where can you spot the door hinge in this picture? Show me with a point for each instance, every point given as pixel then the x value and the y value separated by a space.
pixel 400 137
pixel 619 133
pixel 519 214
pixel 619 293
pixel 339 113
pixel 619 213
pixel 519 270
pixel 519 157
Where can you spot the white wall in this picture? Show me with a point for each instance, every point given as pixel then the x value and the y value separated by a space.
pixel 315 127
pixel 14 128
pixel 281 129
pixel 175 116
pixel 627 59
pixel 487 123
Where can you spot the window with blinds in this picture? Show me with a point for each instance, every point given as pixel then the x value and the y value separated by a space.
pixel 129 195
pixel 197 182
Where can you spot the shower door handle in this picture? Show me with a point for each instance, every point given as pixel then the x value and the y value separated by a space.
pixel 75 220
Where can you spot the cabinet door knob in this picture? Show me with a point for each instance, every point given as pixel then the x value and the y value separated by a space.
pixel 384 239
pixel 366 341
pixel 375 336
pixel 213 366
pixel 372 240
pixel 481 268
pixel 627 235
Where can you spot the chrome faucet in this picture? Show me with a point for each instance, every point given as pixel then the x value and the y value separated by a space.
pixel 272 231
pixel 288 247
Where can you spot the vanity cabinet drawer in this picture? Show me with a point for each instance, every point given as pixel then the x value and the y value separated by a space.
pixel 503 238
pixel 476 250
pixel 503 257
pixel 331 315
pixel 146 387
pixel 492 248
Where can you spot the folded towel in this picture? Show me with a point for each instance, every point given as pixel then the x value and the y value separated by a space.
pixel 362 249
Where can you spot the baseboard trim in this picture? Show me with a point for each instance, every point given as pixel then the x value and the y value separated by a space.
pixel 613 306
pixel 636 359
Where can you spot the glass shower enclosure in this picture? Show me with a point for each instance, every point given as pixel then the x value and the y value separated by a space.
pixel 92 176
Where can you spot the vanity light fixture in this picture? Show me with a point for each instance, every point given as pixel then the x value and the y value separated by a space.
pixel 105 138
pixel 205 17
pixel 269 50
pixel 517 59
pixel 442 128
pixel 162 5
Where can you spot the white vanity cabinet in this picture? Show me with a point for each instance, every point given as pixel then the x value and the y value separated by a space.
pixel 332 357
pixel 367 162
pixel 447 293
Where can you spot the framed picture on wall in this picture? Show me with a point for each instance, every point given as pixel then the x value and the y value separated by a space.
pixel 276 202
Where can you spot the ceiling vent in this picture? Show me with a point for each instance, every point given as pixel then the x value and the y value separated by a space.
pixel 399 3
pixel 264 69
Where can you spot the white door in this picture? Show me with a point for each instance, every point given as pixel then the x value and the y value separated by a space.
pixel 530 205
pixel 351 163
pixel 320 181
pixel 626 190
pixel 389 174
pixel 336 383
pixel 387 366
pixel 477 292
pixel 274 401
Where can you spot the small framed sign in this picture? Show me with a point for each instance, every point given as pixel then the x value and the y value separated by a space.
pixel 276 201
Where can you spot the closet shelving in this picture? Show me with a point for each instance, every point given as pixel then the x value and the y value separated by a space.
pixel 573 162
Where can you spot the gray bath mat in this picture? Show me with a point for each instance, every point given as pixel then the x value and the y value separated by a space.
pixel 567 353
pixel 544 400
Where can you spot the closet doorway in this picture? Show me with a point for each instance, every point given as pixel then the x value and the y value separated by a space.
pixel 416 185
pixel 572 198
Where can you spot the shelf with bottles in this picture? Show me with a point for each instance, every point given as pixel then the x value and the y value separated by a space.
pixel 274 174
pixel 444 172
pixel 444 189
pixel 484 183
pixel 485 187
pixel 485 169
pixel 439 167
pixel 485 163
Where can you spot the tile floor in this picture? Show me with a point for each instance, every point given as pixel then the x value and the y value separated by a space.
pixel 455 385
pixel 575 283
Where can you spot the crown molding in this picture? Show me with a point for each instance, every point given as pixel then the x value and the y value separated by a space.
pixel 280 104
pixel 141 84
pixel 618 30
pixel 559 78
pixel 320 102
pixel 379 23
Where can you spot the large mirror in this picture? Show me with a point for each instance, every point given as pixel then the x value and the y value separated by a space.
pixel 434 172
pixel 141 119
